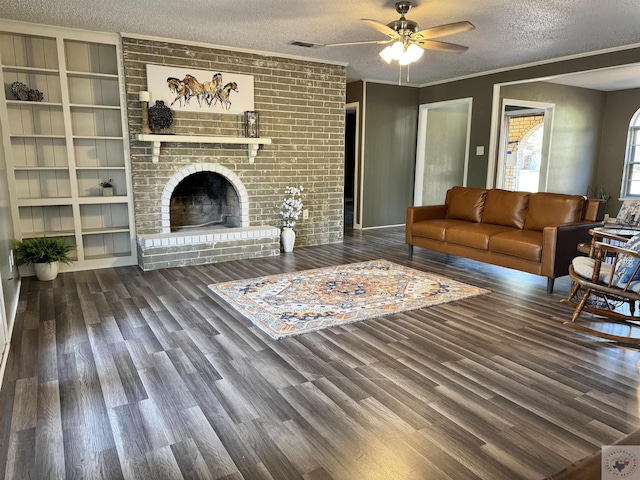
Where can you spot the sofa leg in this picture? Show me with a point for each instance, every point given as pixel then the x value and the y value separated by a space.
pixel 550 285
pixel 410 251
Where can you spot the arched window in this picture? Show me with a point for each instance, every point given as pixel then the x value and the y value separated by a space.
pixel 631 180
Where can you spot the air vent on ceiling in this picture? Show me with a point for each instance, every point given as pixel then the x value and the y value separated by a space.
pixel 298 43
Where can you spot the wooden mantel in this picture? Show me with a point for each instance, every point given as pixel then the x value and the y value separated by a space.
pixel 252 143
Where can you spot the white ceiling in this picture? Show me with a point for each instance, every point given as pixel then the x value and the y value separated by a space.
pixel 508 32
pixel 608 80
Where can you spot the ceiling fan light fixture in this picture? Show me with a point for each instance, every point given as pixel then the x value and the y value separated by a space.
pixel 410 55
pixel 403 55
pixel 387 54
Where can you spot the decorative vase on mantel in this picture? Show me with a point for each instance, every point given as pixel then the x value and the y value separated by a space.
pixel 288 238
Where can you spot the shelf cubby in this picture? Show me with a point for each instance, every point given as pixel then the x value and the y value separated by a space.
pixel 28 51
pixel 105 245
pixel 99 217
pixel 47 82
pixel 31 119
pixel 90 122
pixel 42 183
pixel 95 152
pixel 89 181
pixel 34 152
pixel 47 220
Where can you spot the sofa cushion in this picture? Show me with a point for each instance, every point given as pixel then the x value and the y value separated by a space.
pixel 465 203
pixel 434 229
pixel 525 244
pixel 551 209
pixel 474 235
pixel 503 207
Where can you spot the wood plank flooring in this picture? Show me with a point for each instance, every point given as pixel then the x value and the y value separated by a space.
pixel 119 373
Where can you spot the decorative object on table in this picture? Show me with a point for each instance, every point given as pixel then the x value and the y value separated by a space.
pixel 26 94
pixel 45 254
pixel 107 188
pixel 629 213
pixel 144 98
pixel 290 211
pixel 300 302
pixel 160 117
pixel 187 89
pixel 251 124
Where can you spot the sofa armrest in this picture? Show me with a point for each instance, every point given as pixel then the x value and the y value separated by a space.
pixel 417 214
pixel 560 246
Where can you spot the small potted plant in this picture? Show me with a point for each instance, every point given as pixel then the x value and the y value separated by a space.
pixel 45 254
pixel 107 188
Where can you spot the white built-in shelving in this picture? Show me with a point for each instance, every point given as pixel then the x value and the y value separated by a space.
pixel 58 151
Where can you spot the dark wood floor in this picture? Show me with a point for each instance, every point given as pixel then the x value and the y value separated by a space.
pixel 118 373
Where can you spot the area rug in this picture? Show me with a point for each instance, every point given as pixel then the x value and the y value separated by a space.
pixel 295 303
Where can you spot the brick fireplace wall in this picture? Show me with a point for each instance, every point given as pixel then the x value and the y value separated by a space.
pixel 301 107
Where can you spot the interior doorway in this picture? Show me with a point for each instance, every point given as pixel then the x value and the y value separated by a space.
pixel 351 176
pixel 523 155
pixel 442 152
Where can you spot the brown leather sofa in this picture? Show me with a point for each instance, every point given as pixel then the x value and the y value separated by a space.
pixel 534 232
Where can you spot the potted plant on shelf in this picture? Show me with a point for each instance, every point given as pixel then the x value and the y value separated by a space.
pixel 45 254
pixel 107 188
pixel 290 211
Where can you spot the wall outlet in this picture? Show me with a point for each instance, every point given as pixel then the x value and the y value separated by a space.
pixel 305 214
pixel 480 150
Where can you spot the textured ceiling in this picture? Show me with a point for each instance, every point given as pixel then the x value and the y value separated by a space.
pixel 508 32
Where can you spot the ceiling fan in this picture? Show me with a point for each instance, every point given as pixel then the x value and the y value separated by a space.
pixel 405 43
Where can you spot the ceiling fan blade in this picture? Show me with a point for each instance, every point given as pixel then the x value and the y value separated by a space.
pixel 379 42
pixel 444 30
pixel 381 27
pixel 441 46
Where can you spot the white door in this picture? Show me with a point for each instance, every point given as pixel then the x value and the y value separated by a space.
pixel 442 152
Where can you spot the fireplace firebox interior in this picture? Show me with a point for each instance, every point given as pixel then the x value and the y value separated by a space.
pixel 204 200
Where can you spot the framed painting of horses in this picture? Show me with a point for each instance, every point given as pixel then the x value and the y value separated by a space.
pixel 189 90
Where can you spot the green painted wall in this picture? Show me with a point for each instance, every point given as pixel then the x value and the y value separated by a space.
pixel 390 129
pixel 575 137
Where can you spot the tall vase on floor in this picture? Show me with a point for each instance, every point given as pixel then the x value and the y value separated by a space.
pixel 288 239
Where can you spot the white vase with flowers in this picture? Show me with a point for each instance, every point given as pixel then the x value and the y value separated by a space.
pixel 290 211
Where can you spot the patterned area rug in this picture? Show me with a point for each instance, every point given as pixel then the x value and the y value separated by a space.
pixel 301 302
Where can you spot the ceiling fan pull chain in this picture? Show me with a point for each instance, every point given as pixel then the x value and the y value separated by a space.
pixel 408 70
pixel 399 75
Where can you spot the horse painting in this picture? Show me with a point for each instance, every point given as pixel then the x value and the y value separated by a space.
pixel 224 93
pixel 176 86
pixel 214 94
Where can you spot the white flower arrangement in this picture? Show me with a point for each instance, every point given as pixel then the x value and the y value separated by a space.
pixel 291 207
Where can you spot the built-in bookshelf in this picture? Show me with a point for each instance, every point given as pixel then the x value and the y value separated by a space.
pixel 60 149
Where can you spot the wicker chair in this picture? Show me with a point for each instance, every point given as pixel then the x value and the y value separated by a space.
pixel 600 290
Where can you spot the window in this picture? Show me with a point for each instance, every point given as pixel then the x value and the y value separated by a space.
pixel 631 180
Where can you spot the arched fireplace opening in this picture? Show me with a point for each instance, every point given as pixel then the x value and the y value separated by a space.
pixel 204 200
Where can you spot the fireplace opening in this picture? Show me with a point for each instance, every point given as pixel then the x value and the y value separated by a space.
pixel 204 200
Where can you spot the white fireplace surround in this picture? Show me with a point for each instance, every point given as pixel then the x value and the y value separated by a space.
pixel 183 173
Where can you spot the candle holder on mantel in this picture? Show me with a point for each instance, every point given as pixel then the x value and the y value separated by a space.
pixel 144 98
pixel 251 124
